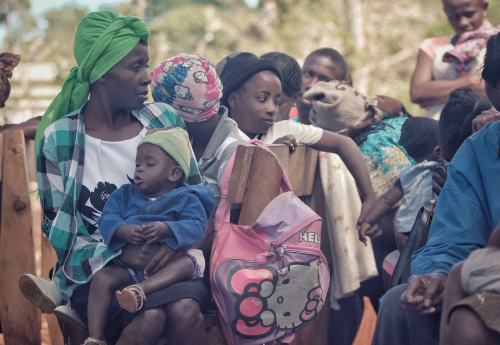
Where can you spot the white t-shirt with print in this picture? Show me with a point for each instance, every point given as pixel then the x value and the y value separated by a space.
pixel 108 166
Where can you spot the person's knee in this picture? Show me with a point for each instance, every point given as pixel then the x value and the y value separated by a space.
pixel 185 311
pixel 455 276
pixel 102 279
pixel 465 327
pixel 392 298
pixel 153 320
pixel 146 327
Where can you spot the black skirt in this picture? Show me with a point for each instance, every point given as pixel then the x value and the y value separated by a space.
pixel 119 318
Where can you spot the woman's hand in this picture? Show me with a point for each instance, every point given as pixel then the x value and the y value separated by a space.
pixel 162 258
pixel 138 257
pixel 482 120
pixel 354 131
pixel 287 140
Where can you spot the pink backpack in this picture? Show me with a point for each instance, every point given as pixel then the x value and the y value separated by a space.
pixel 270 279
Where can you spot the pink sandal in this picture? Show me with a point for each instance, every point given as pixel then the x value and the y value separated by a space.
pixel 131 298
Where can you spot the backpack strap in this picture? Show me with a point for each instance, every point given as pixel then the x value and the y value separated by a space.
pixel 224 210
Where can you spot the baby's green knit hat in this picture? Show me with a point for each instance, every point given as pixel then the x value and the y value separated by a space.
pixel 175 142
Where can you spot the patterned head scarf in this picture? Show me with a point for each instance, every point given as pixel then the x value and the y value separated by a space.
pixel 102 39
pixel 189 83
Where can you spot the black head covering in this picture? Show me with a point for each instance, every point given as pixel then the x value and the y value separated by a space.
pixel 419 136
pixel 241 68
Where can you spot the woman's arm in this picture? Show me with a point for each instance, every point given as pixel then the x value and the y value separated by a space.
pixel 153 257
pixel 380 208
pixel 352 157
pixel 426 92
pixel 355 163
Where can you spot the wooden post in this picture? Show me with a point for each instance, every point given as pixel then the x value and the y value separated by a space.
pixel 20 317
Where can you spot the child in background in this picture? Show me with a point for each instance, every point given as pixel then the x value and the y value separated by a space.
pixel 455 125
pixel 252 93
pixel 325 64
pixel 157 208
pixel 292 82
pixel 414 185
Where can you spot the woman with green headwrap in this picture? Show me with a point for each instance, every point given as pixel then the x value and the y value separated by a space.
pixel 86 150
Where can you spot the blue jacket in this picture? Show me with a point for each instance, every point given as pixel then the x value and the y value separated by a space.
pixel 468 209
pixel 185 210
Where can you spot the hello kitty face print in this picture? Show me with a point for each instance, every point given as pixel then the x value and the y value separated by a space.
pixel 190 84
pixel 268 302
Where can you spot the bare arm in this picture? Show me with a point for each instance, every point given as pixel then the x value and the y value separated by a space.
pixel 383 205
pixel 426 92
pixel 352 157
pixel 380 208
pixel 28 127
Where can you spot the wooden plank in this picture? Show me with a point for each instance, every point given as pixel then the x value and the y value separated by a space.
pixel 264 181
pixel 31 160
pixel 20 318
pixel 1 156
pixel 300 166
pixel 239 175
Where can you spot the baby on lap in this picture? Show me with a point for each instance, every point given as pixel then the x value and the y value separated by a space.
pixel 158 208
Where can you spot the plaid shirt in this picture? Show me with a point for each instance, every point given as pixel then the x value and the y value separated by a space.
pixel 60 163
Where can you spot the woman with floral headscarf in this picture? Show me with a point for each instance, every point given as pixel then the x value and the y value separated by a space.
pixel 85 151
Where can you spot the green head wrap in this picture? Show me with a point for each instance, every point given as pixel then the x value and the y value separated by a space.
pixel 102 39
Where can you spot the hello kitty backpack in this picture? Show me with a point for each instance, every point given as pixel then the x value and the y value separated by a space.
pixel 270 279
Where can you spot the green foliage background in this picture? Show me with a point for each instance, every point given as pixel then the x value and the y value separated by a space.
pixel 393 31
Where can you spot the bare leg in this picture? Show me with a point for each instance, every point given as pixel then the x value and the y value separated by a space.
pixel 145 329
pixel 179 270
pixel 186 325
pixel 453 293
pixel 464 326
pixel 104 284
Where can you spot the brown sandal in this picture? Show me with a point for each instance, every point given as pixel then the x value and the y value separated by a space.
pixel 93 340
pixel 131 298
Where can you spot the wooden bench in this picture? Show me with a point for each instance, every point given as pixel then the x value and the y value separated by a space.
pixel 20 239
pixel 255 182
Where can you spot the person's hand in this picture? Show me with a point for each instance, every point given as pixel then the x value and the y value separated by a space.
pixel 156 232
pixel 159 129
pixel 131 233
pixel 482 120
pixel 162 258
pixel 370 230
pixel 424 292
pixel 354 131
pixel 287 140
pixel 364 228
pixel 432 210
pixel 389 104
pixel 439 176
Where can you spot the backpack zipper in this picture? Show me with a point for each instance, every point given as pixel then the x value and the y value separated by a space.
pixel 311 220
